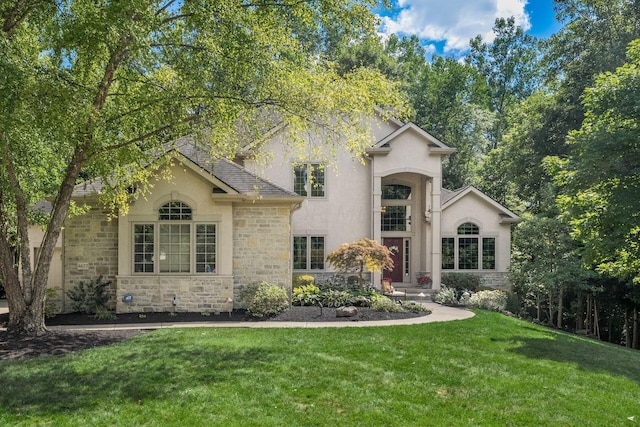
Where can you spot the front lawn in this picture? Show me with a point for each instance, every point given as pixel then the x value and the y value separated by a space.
pixel 488 370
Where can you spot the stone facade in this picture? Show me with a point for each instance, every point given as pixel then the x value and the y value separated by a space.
pixel 188 293
pixel 261 246
pixel 490 279
pixel 90 251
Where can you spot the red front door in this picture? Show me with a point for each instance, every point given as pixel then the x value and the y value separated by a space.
pixel 396 246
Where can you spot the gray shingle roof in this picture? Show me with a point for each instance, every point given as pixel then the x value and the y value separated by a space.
pixel 230 173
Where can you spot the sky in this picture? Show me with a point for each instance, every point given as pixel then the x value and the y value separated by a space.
pixel 446 26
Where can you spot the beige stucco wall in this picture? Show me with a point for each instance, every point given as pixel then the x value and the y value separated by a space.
pixel 350 209
pixel 55 280
pixel 473 208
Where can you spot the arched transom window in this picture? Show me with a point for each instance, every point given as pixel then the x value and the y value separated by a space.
pixel 468 250
pixel 174 243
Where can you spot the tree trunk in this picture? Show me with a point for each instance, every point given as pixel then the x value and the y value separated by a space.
pixel 627 341
pixel 30 320
pixel 579 312
pixel 560 304
pixel 635 329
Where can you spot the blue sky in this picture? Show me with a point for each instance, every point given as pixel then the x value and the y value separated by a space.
pixel 446 26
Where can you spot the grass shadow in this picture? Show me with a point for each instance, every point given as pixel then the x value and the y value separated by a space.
pixel 151 369
pixel 586 354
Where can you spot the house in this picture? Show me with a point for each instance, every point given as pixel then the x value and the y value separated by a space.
pixel 193 241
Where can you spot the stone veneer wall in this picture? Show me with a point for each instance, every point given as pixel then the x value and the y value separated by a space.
pixel 192 293
pixel 261 246
pixel 494 280
pixel 90 250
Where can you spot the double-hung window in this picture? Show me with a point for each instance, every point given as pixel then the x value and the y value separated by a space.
pixel 309 179
pixel 308 253
pixel 468 250
pixel 174 243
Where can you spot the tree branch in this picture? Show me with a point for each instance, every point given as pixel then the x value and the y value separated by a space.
pixel 16 16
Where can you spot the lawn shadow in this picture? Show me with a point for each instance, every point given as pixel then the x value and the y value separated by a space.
pixel 587 354
pixel 150 369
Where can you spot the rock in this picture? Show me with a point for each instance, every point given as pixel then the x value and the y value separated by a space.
pixel 346 311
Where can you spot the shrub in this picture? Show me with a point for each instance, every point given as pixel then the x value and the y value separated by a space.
pixel 89 297
pixel 414 306
pixel 382 303
pixel 51 303
pixel 264 299
pixel 335 298
pixel 103 313
pixel 337 283
pixel 445 295
pixel 461 282
pixel 495 300
pixel 306 295
pixel 300 280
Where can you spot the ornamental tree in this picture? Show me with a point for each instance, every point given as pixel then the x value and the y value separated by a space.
pixel 97 89
pixel 361 254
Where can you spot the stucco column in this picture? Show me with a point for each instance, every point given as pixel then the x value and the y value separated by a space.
pixel 376 223
pixel 436 232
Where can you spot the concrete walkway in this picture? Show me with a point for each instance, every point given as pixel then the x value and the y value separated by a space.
pixel 439 313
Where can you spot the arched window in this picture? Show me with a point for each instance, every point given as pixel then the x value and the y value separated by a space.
pixel 175 211
pixel 468 250
pixel 174 244
pixel 396 208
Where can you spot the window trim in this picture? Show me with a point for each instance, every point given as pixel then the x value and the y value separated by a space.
pixel 308 250
pixel 193 253
pixel 480 241
pixel 307 169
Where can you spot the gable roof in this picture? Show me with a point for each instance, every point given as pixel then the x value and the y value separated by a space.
pixel 233 176
pixel 450 197
pixel 230 177
pixel 435 145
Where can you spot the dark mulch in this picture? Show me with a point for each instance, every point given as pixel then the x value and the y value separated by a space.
pixel 70 341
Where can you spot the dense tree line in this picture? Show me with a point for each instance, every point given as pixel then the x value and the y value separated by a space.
pixel 551 128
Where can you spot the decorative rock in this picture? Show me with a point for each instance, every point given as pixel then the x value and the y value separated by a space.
pixel 346 311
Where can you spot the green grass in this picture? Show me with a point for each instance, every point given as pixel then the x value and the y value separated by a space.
pixel 488 370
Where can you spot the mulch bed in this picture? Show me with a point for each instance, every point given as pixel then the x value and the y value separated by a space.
pixel 70 341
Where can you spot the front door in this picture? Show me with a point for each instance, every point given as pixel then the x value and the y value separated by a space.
pixel 396 246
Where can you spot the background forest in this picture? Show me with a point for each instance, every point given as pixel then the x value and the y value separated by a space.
pixel 550 129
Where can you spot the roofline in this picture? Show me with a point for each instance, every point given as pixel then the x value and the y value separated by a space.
pixel 195 167
pixel 512 217
pixel 256 198
pixel 440 147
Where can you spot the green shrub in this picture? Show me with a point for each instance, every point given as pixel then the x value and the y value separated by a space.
pixel 382 303
pixel 414 306
pixel 336 298
pixel 305 295
pixel 90 296
pixel 461 282
pixel 264 299
pixel 300 280
pixel 103 313
pixel 51 303
pixel 495 300
pixel 446 296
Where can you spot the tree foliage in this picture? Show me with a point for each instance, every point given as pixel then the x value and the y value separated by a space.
pixel 94 90
pixel 361 254
pixel 602 179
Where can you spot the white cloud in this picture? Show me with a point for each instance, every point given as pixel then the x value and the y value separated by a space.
pixel 453 22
